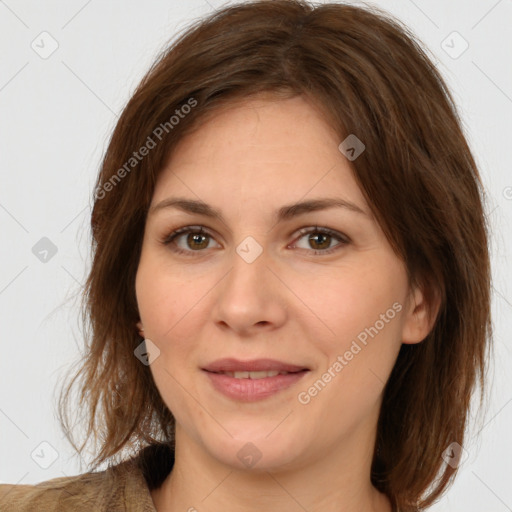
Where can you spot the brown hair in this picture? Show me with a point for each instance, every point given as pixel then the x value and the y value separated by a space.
pixel 369 76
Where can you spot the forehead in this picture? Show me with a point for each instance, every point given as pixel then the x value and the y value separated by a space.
pixel 266 150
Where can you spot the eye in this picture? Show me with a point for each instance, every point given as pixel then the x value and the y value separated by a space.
pixel 188 239
pixel 320 240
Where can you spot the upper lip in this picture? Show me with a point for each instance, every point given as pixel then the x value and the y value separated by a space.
pixel 253 365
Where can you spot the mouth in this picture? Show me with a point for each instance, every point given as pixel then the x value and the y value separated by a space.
pixel 249 381
pixel 254 375
pixel 254 366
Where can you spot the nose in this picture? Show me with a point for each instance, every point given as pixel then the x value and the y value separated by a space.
pixel 251 298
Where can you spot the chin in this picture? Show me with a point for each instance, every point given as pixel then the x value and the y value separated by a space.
pixel 258 449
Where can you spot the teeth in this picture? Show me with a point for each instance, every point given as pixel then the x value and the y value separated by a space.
pixel 253 375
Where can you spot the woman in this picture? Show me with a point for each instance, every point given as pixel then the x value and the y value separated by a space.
pixel 289 296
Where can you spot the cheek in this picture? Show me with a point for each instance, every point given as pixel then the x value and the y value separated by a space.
pixel 164 297
pixel 168 309
pixel 348 301
pixel 172 308
pixel 363 309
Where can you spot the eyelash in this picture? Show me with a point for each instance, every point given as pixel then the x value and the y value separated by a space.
pixel 198 230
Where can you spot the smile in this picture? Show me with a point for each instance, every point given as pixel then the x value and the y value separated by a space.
pixel 252 380
pixel 253 375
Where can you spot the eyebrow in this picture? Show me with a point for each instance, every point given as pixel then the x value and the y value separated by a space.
pixel 284 213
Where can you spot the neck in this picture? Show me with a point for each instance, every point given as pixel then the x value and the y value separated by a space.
pixel 339 481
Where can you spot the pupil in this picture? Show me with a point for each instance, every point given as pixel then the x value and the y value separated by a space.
pixel 196 239
pixel 318 236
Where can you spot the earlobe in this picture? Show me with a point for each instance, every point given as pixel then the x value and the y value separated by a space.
pixel 140 328
pixel 420 316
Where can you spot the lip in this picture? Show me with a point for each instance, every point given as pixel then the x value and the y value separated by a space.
pixel 253 365
pixel 252 390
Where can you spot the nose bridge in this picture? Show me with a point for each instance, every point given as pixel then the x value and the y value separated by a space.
pixel 249 295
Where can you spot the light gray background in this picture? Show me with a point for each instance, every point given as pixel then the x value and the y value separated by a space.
pixel 56 115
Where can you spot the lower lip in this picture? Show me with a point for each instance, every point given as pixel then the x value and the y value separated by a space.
pixel 251 390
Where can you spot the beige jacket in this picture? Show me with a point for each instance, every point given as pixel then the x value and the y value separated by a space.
pixel 120 488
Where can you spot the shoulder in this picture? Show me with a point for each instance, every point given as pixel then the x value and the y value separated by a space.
pixel 67 493
pixel 114 489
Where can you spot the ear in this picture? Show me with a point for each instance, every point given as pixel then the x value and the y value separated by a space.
pixel 420 315
pixel 140 328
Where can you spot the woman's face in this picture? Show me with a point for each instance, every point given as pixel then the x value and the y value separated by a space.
pixel 267 286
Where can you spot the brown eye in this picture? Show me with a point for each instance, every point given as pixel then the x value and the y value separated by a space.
pixel 320 240
pixel 197 241
pixel 191 239
pixel 188 240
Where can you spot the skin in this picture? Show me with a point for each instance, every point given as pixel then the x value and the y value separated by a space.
pixel 289 304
